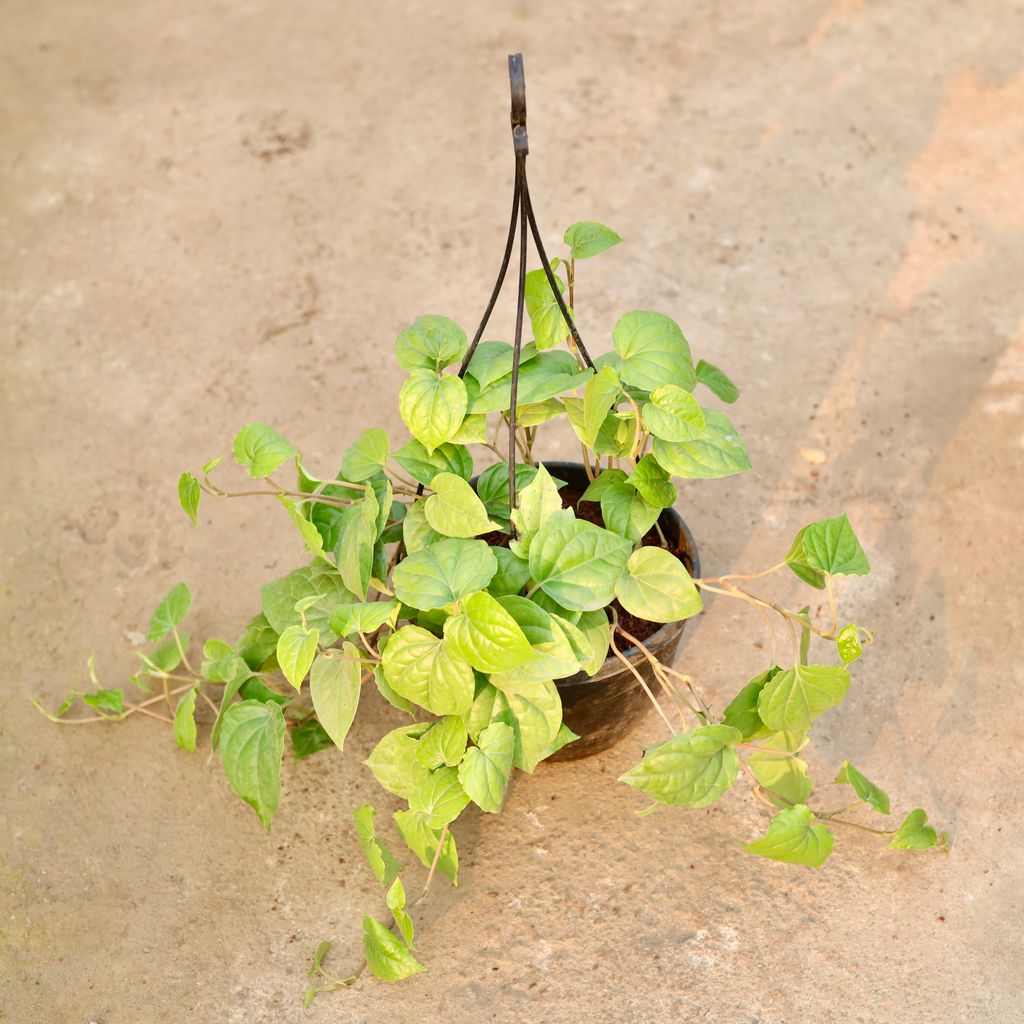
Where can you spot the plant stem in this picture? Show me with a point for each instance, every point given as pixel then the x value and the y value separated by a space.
pixel 130 710
pixel 640 679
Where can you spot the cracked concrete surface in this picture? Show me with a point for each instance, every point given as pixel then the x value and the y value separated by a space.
pixel 218 213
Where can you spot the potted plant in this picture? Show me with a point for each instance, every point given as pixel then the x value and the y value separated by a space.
pixel 515 609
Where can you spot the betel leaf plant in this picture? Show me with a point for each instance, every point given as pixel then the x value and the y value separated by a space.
pixel 457 574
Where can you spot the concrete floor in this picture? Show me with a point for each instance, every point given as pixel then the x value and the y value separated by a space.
pixel 221 212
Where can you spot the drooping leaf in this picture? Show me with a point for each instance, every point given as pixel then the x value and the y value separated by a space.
pixel 334 686
pixel 486 636
pixel 366 456
pixel 384 865
pixel 423 841
pixel 296 649
pixel 794 839
pixel 553 654
pixel 657 587
pixel 105 700
pixel 535 714
pixel 308 739
pixel 443 573
pixel 549 375
pixel 260 450
pixel 914 833
pixel 251 748
pixel 717 382
pixel 717 452
pixel 439 797
pixel 387 956
pixel 357 536
pixel 627 512
pixel 741 712
pixel 652 351
pixel 387 691
pixel 577 563
pixel 169 612
pixel 428 670
pixel 783 776
pixel 865 789
pixel 616 436
pixel 311 536
pixel 423 466
pixel 280 596
pixel 596 628
pixel 652 483
pixel 396 904
pixel 535 414
pixel 185 720
pixel 393 761
pixel 485 769
pixel 692 769
pixel 598 399
pixel 455 510
pixel 587 238
pixel 492 360
pixel 793 698
pixel 549 326
pixel 537 501
pixel 417 533
pixel 673 414
pixel 188 496
pixel 433 407
pixel 431 343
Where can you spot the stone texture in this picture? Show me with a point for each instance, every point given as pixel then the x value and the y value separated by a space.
pixel 215 213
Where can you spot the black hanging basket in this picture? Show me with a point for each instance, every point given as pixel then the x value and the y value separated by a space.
pixel 603 708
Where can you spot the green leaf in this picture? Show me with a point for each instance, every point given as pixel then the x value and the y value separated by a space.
pixel 393 761
pixel 549 326
pixel 366 456
pixel 831 546
pixel 796 559
pixel 455 510
pixel 865 789
pixel 440 797
pixel 537 501
pixel 848 644
pixel 486 767
pixel 443 573
pixel 599 398
pixel 692 769
pixel 417 533
pixel 652 351
pixel 616 435
pixel 396 904
pixel 492 360
pixel 384 865
pixel 309 738
pixel 386 954
pixel 106 700
pixel 914 833
pixel 793 698
pixel 673 414
pixel 296 649
pixel 280 596
pixel 717 382
pixel 423 466
pixel 473 429
pixel 423 841
pixel 587 238
pixel 220 660
pixel 652 483
pixel 512 574
pixel 547 376
pixel 251 748
pixel 185 720
pixel 597 488
pixel 595 627
pixel 431 343
pixel 657 587
pixel 334 686
pixel 535 714
pixel 318 958
pixel 492 486
pixel 231 688
pixel 486 636
pixel 387 691
pixel 365 617
pixel 261 449
pixel 171 610
pixel 718 451
pixel 432 407
pixel 741 712
pixel 443 743
pixel 66 704
pixel 188 496
pixel 259 641
pixel 554 656
pixel 793 839
pixel 428 670
pixel 577 563
pixel 627 512
pixel 358 533
pixel 311 536
pixel 781 775
pixel 537 413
